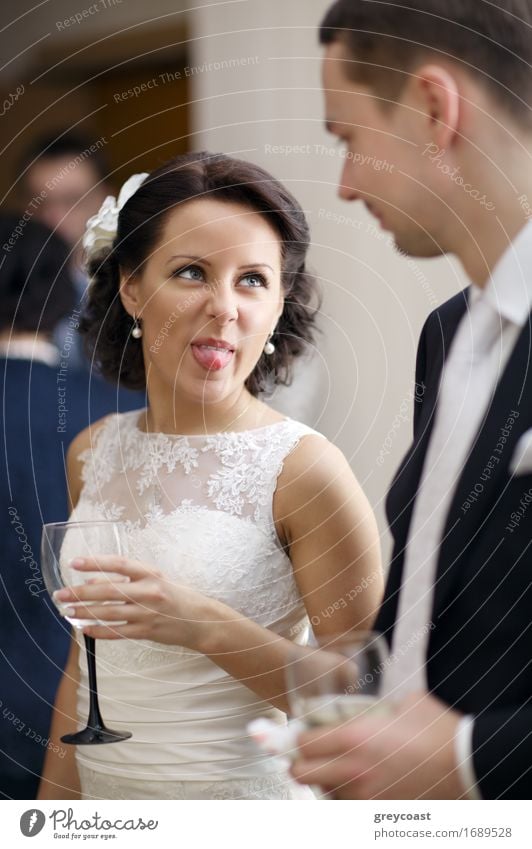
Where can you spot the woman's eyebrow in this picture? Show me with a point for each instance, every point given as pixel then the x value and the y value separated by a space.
pixel 189 257
pixel 206 261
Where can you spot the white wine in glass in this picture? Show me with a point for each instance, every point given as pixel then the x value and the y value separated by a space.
pixel 338 679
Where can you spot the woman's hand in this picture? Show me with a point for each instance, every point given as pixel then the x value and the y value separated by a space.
pixel 154 607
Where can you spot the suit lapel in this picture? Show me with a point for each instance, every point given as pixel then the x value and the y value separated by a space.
pixel 434 350
pixel 480 484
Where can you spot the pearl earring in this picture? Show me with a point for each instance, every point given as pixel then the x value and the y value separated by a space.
pixel 269 347
pixel 137 329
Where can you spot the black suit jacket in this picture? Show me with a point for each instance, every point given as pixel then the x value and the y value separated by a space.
pixel 480 648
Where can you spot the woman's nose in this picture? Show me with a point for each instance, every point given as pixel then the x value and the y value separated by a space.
pixel 222 302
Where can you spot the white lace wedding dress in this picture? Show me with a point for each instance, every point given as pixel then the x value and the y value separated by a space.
pixel 200 509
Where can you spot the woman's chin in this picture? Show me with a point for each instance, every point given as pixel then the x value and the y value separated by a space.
pixel 208 390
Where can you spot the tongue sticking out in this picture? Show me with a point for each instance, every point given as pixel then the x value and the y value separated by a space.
pixel 212 358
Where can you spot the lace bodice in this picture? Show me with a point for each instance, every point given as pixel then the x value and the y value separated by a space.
pixel 200 509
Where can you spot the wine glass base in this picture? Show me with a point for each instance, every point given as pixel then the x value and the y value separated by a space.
pixel 95 736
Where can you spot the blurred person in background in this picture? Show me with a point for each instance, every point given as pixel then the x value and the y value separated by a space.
pixel 67 175
pixel 66 181
pixel 44 405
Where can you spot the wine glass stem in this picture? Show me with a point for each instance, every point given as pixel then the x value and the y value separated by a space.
pixel 95 717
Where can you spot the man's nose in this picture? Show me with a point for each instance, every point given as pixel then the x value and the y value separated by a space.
pixel 347 189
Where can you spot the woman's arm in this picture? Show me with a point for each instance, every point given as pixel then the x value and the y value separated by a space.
pixel 331 535
pixel 329 528
pixel 59 778
pixel 327 524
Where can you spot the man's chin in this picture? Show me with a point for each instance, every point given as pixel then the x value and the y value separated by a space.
pixel 413 247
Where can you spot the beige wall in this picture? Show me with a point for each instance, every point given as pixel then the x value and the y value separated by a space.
pixel 375 301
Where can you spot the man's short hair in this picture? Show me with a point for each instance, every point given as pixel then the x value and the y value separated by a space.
pixel 387 40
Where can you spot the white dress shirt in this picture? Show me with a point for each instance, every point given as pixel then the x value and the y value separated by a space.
pixel 479 352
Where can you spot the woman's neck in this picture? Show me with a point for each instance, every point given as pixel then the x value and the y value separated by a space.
pixel 243 412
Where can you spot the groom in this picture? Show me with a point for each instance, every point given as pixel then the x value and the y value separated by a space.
pixel 443 89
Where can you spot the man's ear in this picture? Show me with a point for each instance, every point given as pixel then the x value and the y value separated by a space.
pixel 438 97
pixel 129 294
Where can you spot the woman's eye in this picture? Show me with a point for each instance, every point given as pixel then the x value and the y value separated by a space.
pixel 254 281
pixel 191 272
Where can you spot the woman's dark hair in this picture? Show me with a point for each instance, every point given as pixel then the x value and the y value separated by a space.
pixel 107 326
pixel 36 289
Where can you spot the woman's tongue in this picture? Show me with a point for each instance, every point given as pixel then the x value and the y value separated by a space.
pixel 212 358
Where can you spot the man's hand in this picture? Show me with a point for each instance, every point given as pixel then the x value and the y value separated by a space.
pixel 408 754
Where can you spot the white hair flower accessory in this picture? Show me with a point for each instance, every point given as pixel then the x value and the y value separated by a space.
pixel 101 228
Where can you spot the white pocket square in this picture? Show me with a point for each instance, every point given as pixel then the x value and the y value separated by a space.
pixel 521 462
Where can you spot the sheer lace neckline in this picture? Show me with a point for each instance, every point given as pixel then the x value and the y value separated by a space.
pixel 136 417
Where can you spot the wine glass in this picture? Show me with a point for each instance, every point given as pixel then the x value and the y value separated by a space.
pixel 338 679
pixel 61 543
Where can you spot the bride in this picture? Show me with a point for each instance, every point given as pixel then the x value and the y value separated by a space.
pixel 243 525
